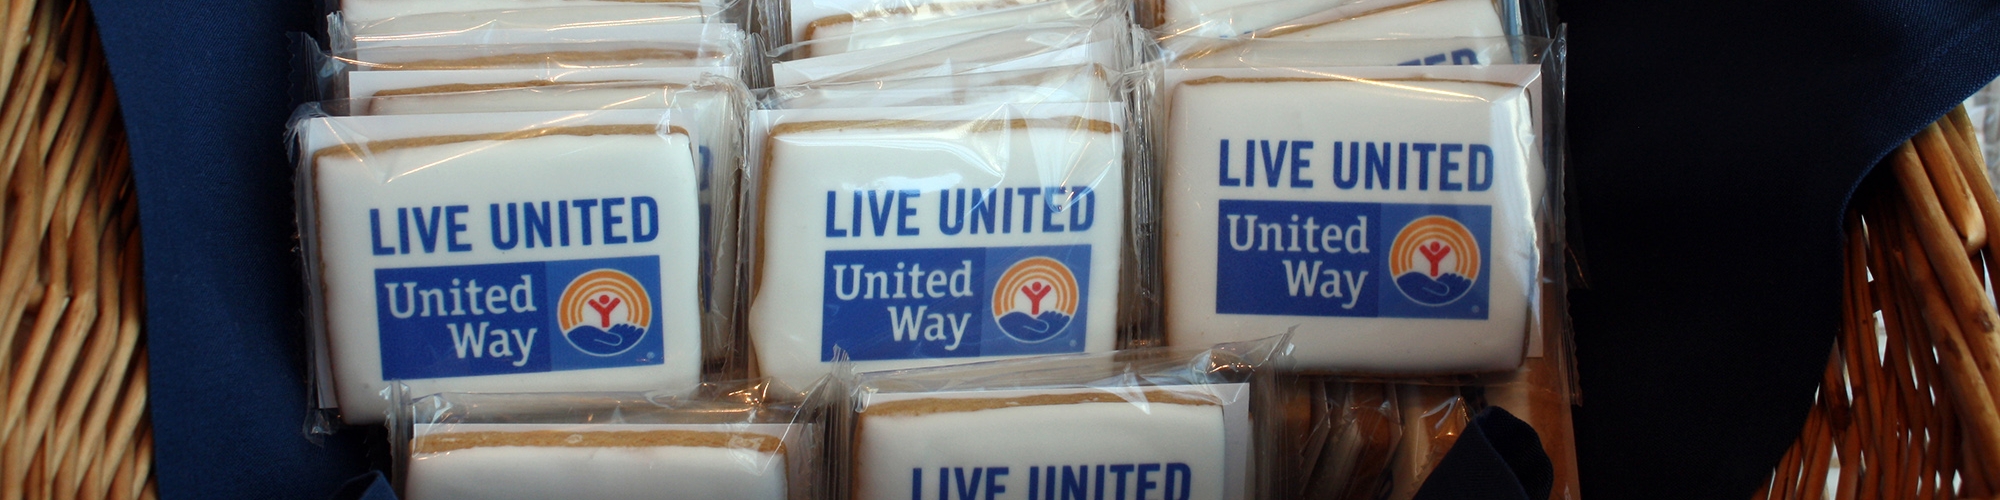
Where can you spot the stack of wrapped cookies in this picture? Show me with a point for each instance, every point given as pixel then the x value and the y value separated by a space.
pixel 932 249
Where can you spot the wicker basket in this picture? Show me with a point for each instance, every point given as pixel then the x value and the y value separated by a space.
pixel 1907 406
pixel 74 386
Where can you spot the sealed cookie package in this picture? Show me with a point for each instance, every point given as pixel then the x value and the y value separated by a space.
pixel 1347 20
pixel 1064 84
pixel 712 107
pixel 739 440
pixel 1186 52
pixel 919 236
pixel 534 251
pixel 827 27
pixel 1145 423
pixel 339 40
pixel 364 22
pixel 1161 14
pixel 328 75
pixel 1108 43
pixel 718 52
pixel 522 89
pixel 1399 218
pixel 1352 434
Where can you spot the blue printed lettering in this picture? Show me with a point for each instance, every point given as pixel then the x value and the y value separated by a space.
pixel 1299 162
pixel 1172 480
pixel 646 219
pixel 375 233
pixel 535 224
pixel 1478 178
pixel 1227 180
pixel 1446 167
pixel 427 232
pixel 505 235
pixel 611 221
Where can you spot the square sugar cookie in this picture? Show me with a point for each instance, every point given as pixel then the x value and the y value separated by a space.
pixel 1175 442
pixel 522 252
pixel 598 461
pixel 911 237
pixel 1391 215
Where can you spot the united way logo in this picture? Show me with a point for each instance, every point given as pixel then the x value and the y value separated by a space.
pixel 1035 299
pixel 604 312
pixel 1435 260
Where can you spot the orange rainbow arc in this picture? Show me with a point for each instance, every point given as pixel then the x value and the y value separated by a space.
pixel 1403 253
pixel 1030 270
pixel 573 308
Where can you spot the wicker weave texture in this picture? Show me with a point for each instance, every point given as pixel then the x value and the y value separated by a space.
pixel 1907 406
pixel 74 389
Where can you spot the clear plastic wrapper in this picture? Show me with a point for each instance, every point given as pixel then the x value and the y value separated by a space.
pixel 713 105
pixel 715 52
pixel 920 236
pixel 370 22
pixel 1399 217
pixel 341 41
pixel 375 10
pixel 1382 438
pixel 1190 52
pixel 532 251
pixel 1090 83
pixel 1432 417
pixel 1148 423
pixel 323 75
pixel 1357 428
pixel 520 89
pixel 748 440
pixel 1353 20
pixel 827 27
pixel 1108 43
pixel 1161 15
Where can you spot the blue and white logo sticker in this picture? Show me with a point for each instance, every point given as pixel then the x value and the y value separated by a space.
pixel 955 302
pixel 1300 258
pixel 492 319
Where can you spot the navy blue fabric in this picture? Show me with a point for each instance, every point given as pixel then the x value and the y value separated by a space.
pixel 1714 144
pixel 1498 457
pixel 202 85
pixel 370 486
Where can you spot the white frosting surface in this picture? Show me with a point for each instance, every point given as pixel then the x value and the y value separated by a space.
pixel 582 97
pixel 1027 439
pixel 741 471
pixel 549 57
pixel 365 20
pixel 1394 108
pixel 478 173
pixel 785 315
pixel 516 472
pixel 1035 47
pixel 1175 12
pixel 1231 17
pixel 1198 52
pixel 867 30
pixel 361 84
pixel 369 10
pixel 1055 85
pixel 1437 19
pixel 1333 19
